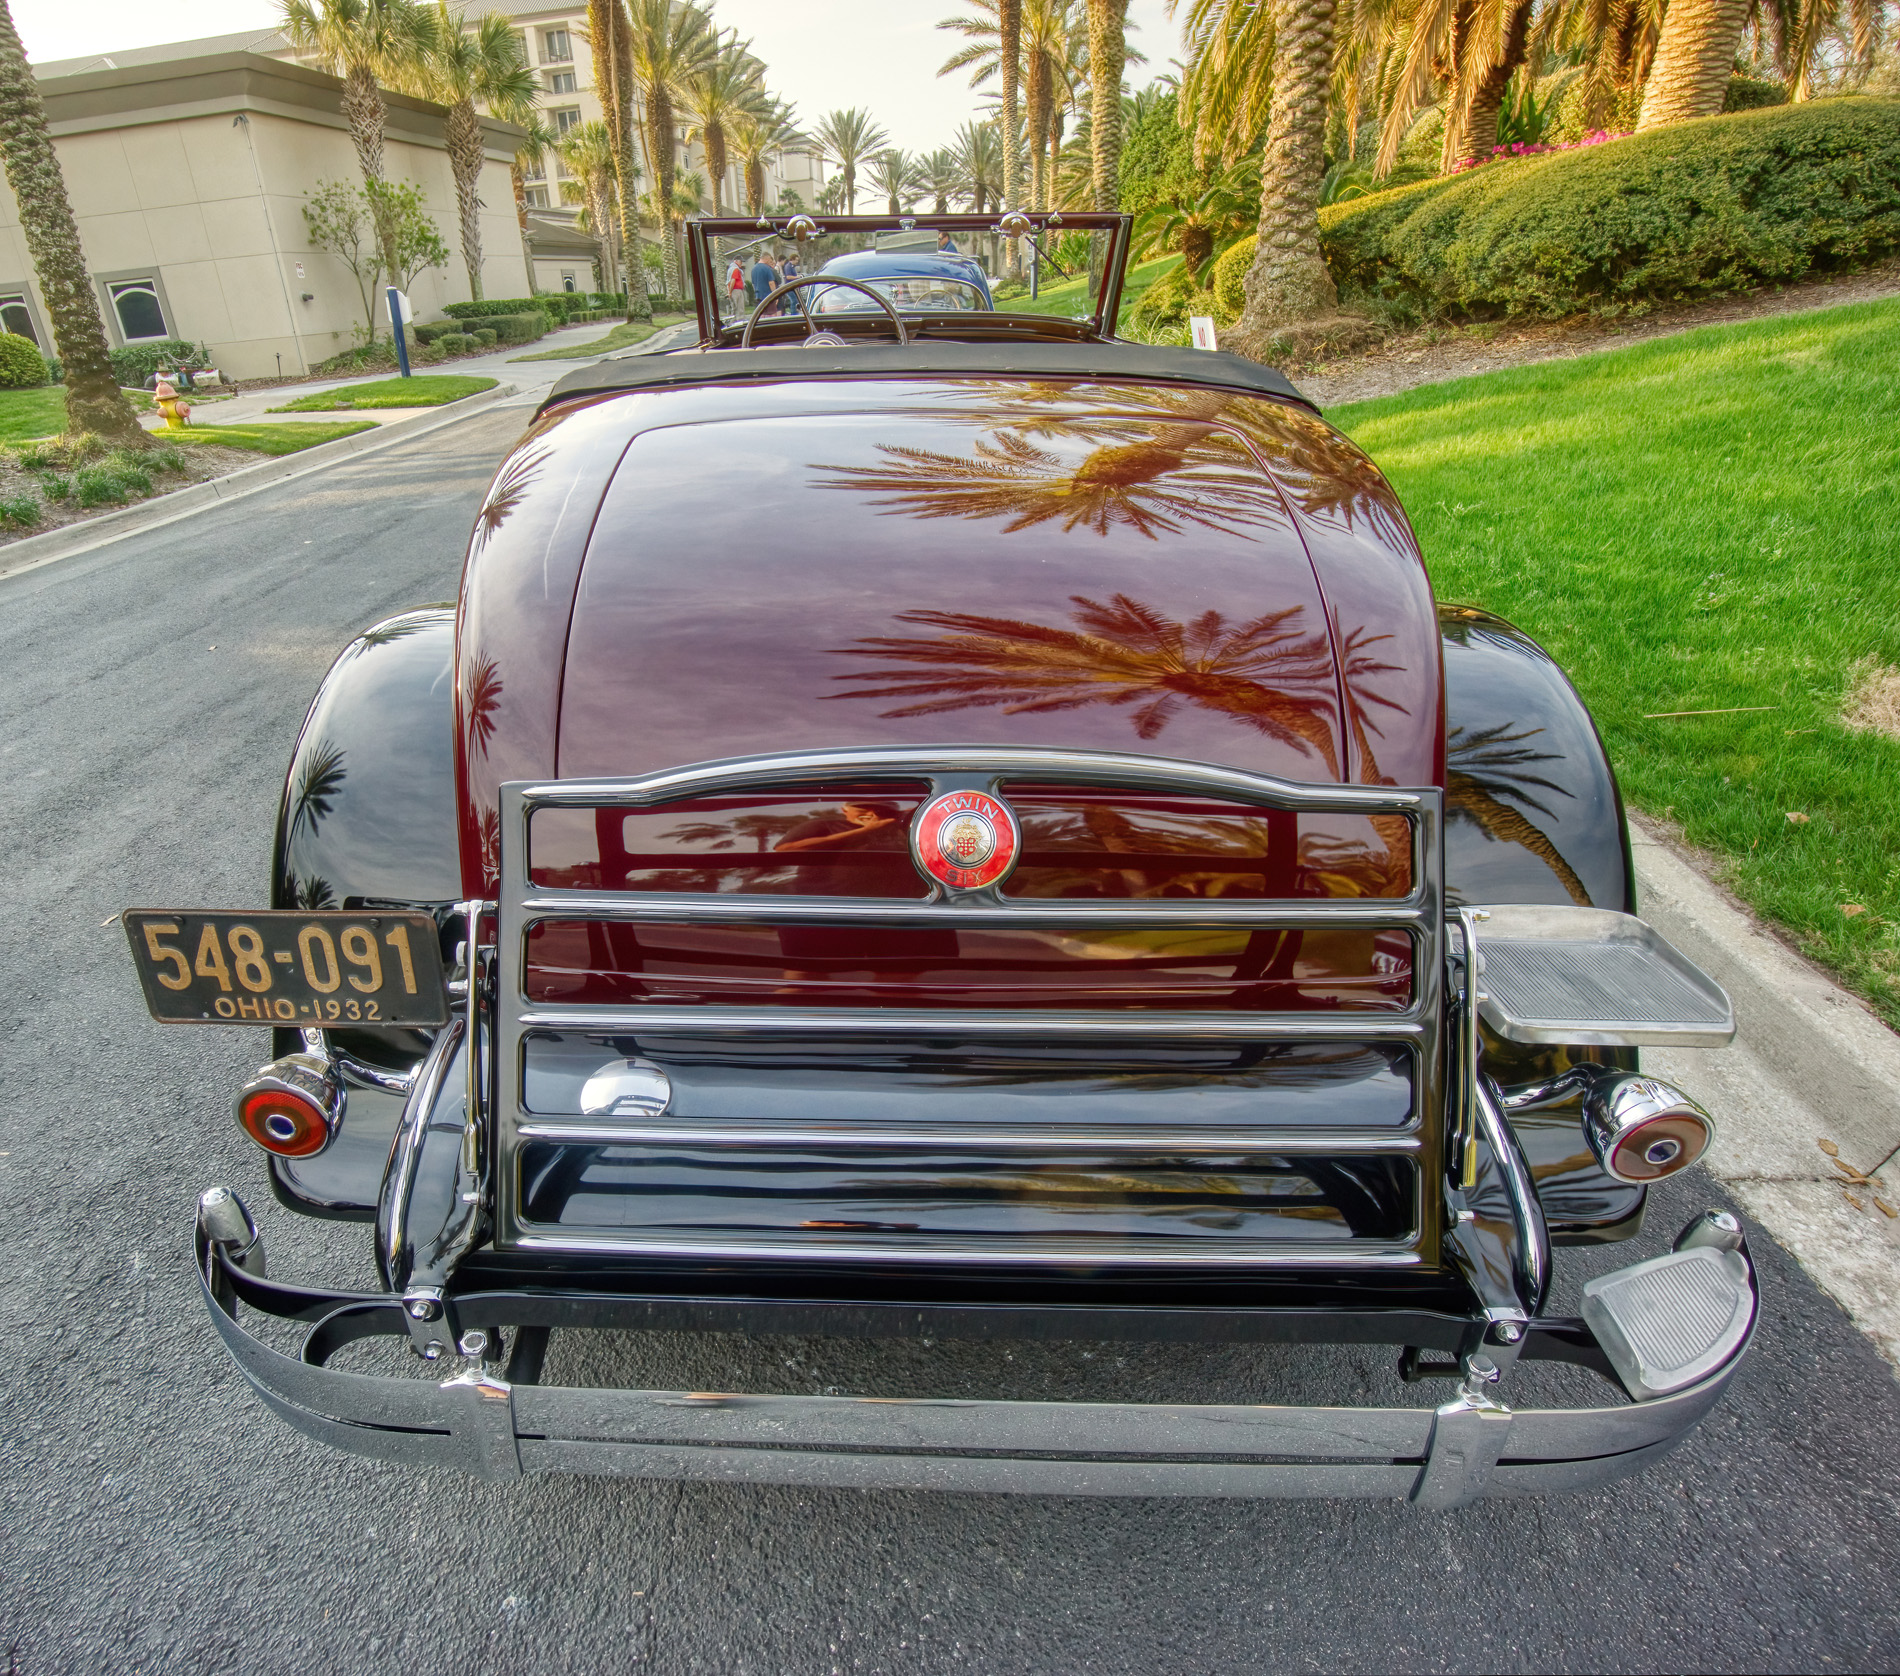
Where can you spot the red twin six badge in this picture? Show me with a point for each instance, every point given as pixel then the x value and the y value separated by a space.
pixel 965 839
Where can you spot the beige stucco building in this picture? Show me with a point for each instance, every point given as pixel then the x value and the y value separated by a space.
pixel 188 167
pixel 553 40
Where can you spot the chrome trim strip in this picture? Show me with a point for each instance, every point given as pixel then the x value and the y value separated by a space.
pixel 1005 1252
pixel 1010 912
pixel 1263 1142
pixel 913 1021
pixel 1106 768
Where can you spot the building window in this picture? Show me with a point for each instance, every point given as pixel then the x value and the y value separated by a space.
pixel 535 171
pixel 555 48
pixel 567 279
pixel 560 170
pixel 16 316
pixel 562 81
pixel 567 117
pixel 521 44
pixel 141 316
pixel 537 197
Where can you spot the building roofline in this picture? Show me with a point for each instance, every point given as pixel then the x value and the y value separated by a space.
pixel 165 90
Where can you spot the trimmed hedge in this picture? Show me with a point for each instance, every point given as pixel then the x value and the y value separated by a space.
pixel 22 366
pixel 1699 207
pixel 491 305
pixel 524 327
pixel 132 364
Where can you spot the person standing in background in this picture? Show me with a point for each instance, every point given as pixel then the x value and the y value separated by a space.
pixel 764 278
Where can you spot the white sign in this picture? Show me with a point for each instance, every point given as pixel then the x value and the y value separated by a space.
pixel 1203 327
pixel 300 270
pixel 400 313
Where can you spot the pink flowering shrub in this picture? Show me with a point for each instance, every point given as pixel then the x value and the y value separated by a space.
pixel 1520 149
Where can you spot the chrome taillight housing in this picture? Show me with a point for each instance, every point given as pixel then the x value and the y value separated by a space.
pixel 1642 1129
pixel 291 1106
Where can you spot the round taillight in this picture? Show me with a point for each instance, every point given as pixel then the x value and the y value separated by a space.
pixel 1642 1130
pixel 284 1123
pixel 291 1107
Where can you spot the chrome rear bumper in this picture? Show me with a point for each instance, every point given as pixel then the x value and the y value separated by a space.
pixel 477 1422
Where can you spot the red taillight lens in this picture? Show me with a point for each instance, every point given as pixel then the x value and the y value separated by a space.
pixel 283 1122
pixel 1659 1147
pixel 1641 1129
pixel 292 1106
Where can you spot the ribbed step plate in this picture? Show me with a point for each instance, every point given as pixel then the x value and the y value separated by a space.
pixel 1671 1321
pixel 1590 977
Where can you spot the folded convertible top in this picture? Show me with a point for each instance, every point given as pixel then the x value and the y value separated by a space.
pixel 931 358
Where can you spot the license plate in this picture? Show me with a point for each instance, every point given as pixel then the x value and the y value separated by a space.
pixel 298 970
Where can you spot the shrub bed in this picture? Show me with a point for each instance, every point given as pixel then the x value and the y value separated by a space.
pixel 134 363
pixel 524 327
pixel 22 366
pixel 1701 207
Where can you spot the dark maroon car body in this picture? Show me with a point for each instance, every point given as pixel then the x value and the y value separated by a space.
pixel 724 1055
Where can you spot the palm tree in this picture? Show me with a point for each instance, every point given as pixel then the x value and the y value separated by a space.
pixel 670 41
pixel 1289 279
pixel 1203 227
pixel 996 48
pixel 939 178
pixel 724 88
pixel 588 151
pixel 609 39
pixel 756 136
pixel 979 156
pixel 1463 57
pixel 1108 55
pixel 365 42
pixel 1226 90
pixel 94 405
pixel 848 137
pixel 461 65
pixel 537 140
pixel 894 174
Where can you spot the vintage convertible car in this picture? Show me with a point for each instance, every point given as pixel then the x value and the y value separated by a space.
pixel 955 824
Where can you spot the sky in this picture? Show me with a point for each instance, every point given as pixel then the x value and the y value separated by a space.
pixel 820 54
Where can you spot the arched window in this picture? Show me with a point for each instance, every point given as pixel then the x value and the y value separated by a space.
pixel 141 318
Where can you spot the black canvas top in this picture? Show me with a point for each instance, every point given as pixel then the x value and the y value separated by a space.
pixel 931 357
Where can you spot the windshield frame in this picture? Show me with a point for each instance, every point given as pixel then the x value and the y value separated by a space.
pixel 1119 229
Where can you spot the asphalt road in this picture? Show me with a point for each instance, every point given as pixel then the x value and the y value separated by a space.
pixel 153 1516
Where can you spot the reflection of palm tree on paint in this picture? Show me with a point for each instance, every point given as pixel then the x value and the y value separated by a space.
pixel 1122 479
pixel 505 494
pixel 1266 674
pixel 484 698
pixel 319 778
pixel 1490 765
pixel 311 891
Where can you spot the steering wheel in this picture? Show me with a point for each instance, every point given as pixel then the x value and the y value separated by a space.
pixel 883 302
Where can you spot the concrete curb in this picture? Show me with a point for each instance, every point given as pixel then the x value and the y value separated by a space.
pixel 1810 1062
pixel 37 550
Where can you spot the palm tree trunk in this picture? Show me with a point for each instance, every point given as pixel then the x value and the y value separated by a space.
pixel 716 163
pixel 754 185
pixel 1009 21
pixel 1693 61
pixel 521 220
pixel 1289 279
pixel 1108 53
pixel 93 402
pixel 364 111
pixel 1038 126
pixel 660 153
pixel 613 85
pixel 462 134
pixel 1478 132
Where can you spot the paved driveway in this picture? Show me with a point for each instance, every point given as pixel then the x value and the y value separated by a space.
pixel 153 1517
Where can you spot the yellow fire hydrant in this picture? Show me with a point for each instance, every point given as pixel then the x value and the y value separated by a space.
pixel 176 409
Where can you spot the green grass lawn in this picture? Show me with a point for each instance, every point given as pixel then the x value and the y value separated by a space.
pixel 26 415
pixel 627 333
pixel 1072 296
pixel 1707 522
pixel 291 438
pixel 424 390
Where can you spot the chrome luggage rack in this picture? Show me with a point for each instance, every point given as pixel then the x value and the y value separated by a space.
pixel 521 903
